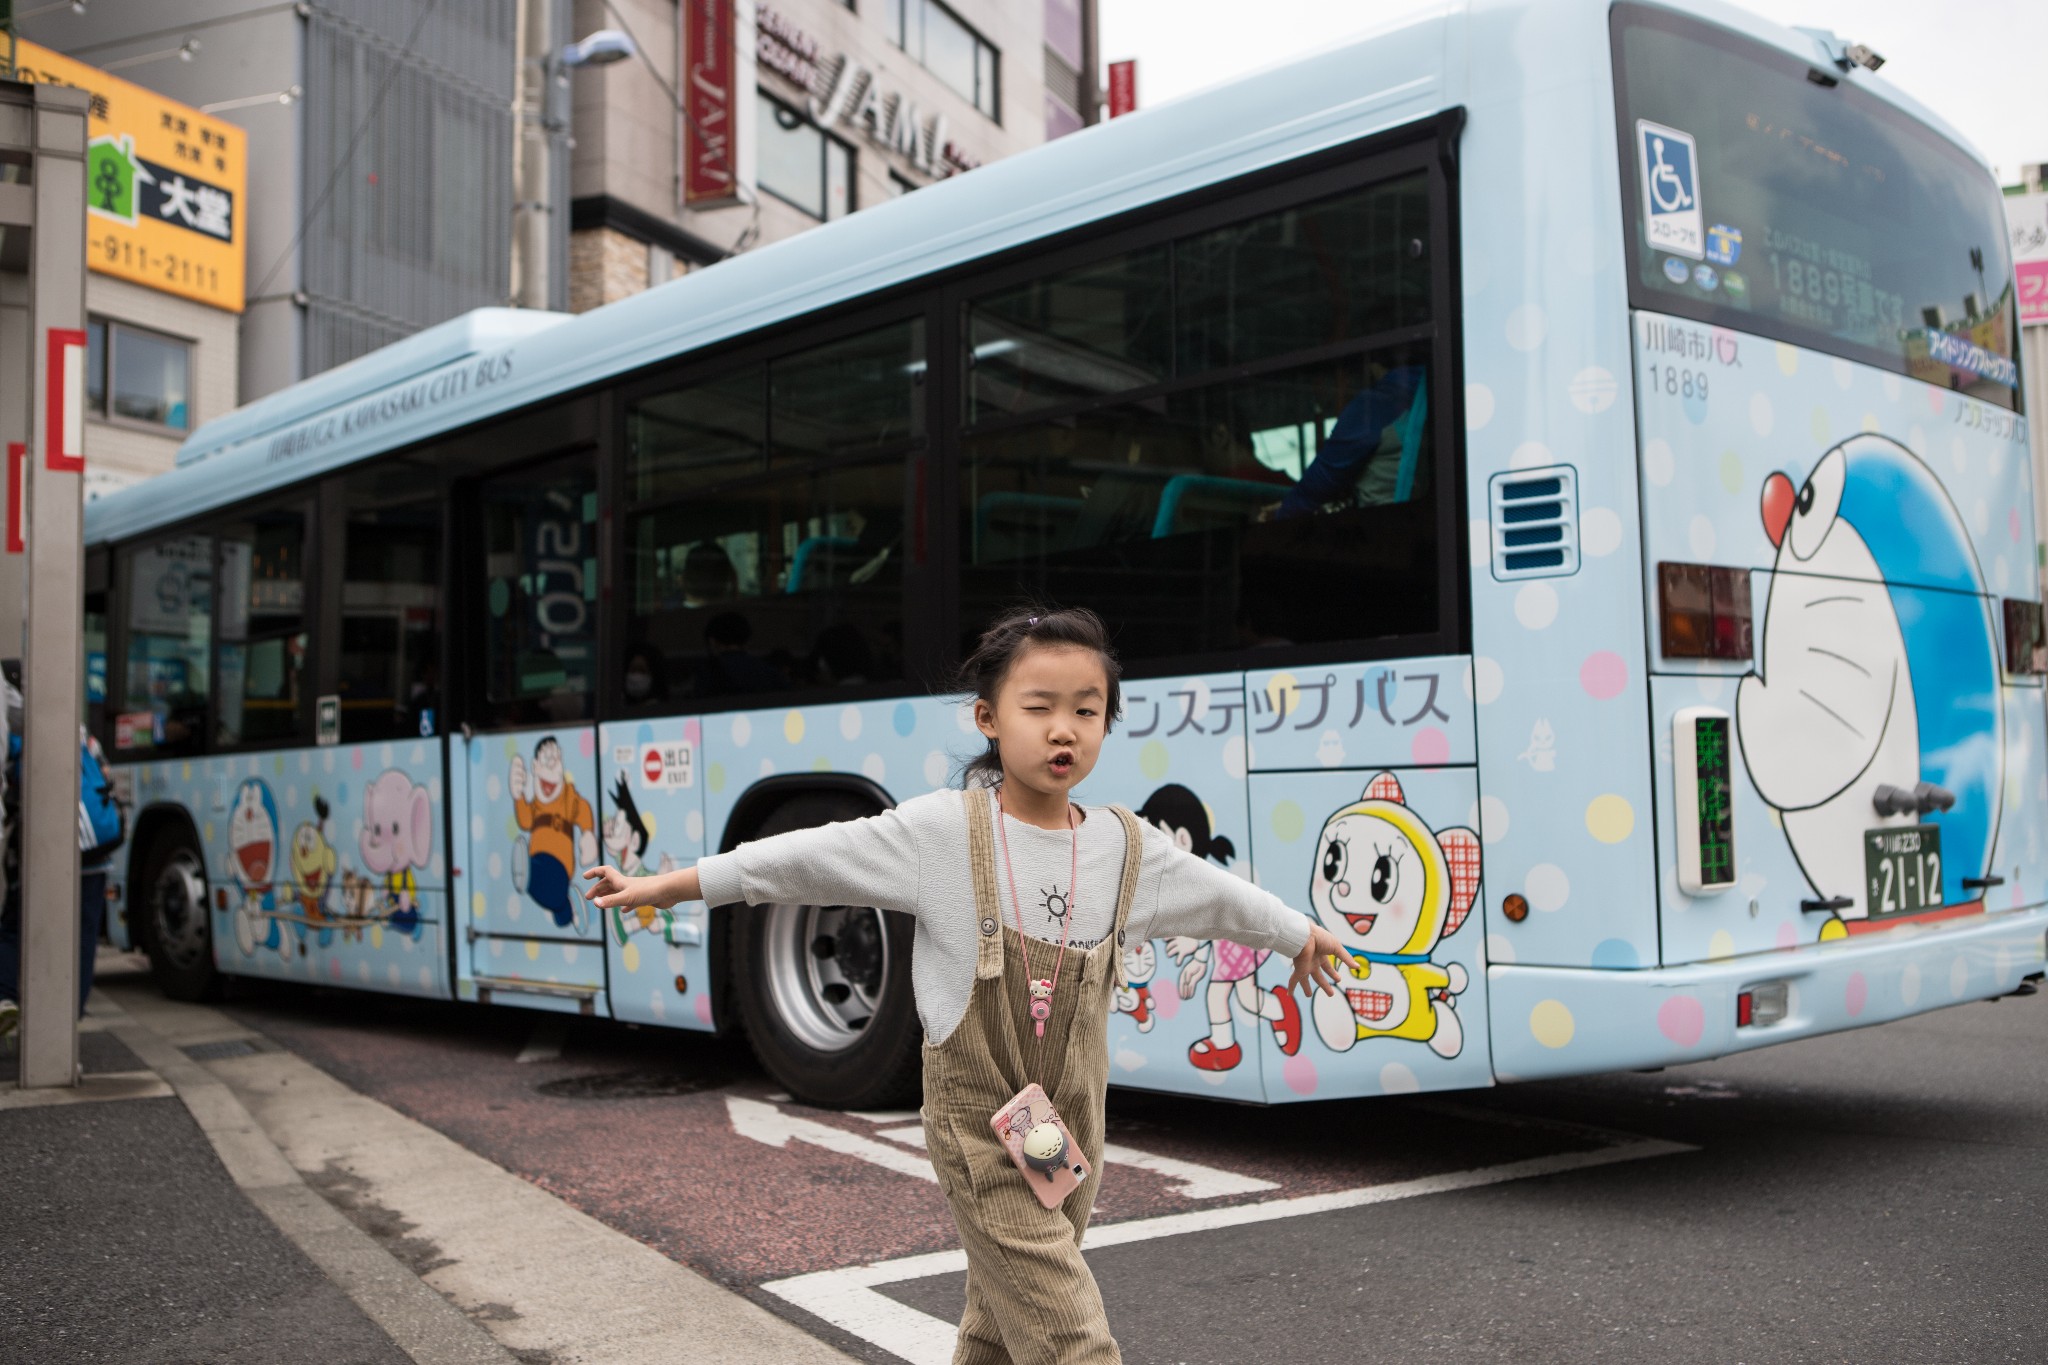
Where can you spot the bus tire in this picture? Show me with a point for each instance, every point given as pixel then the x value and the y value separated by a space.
pixel 173 926
pixel 824 991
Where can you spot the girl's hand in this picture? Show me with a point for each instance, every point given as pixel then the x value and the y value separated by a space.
pixel 615 888
pixel 1313 964
pixel 1191 975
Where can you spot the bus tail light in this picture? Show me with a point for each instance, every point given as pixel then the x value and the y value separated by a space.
pixel 1763 1004
pixel 1703 612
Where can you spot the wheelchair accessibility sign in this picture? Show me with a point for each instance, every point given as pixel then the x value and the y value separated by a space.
pixel 1669 164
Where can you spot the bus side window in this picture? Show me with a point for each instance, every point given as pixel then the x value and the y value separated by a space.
pixel 1270 479
pixel 390 667
pixel 167 676
pixel 261 649
pixel 540 593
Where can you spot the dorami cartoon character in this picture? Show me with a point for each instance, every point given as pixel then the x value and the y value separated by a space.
pixel 1877 676
pixel 1390 888
pixel 1134 997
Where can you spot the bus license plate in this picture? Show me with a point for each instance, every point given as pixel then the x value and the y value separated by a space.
pixel 1903 867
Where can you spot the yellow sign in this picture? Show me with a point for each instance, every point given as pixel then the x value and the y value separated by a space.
pixel 164 184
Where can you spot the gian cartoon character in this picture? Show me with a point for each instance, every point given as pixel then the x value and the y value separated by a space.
pixel 1874 700
pixel 625 840
pixel 398 836
pixel 1391 889
pixel 252 866
pixel 1232 968
pixel 1134 997
pixel 313 864
pixel 561 831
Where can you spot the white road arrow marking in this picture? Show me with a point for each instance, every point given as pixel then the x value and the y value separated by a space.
pixel 1194 1181
pixel 764 1123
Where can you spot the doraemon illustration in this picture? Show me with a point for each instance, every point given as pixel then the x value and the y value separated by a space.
pixel 1134 997
pixel 252 866
pixel 560 830
pixel 625 840
pixel 398 836
pixel 1390 889
pixel 1874 700
pixel 313 865
pixel 1232 968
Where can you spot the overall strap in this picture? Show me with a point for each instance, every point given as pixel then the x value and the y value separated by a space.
pixel 1127 889
pixel 988 903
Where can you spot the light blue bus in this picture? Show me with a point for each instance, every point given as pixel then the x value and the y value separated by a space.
pixel 1555 471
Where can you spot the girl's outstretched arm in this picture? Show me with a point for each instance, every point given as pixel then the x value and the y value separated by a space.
pixel 852 862
pixel 662 890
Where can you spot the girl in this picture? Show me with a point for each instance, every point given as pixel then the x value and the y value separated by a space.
pixel 1018 953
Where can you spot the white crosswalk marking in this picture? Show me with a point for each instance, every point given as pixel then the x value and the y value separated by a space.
pixel 1194 1181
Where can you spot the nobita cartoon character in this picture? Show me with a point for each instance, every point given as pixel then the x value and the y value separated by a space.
pixel 625 840
pixel 252 867
pixel 1134 997
pixel 398 836
pixel 1232 968
pixel 561 831
pixel 313 864
pixel 1390 889
pixel 1874 701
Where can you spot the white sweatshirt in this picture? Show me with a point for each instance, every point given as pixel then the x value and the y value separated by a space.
pixel 914 859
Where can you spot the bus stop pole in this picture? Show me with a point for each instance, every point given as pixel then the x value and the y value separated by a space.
pixel 53 666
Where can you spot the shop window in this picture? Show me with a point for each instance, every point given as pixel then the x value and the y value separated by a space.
pixel 799 163
pixel 138 377
pixel 949 49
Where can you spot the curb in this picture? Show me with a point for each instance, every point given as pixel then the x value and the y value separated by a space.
pixel 418 1320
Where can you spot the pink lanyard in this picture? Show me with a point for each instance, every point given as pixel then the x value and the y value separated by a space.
pixel 1041 991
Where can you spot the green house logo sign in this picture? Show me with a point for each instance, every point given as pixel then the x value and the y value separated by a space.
pixel 112 171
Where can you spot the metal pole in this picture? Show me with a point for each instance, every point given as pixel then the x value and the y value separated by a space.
pixel 53 667
pixel 533 178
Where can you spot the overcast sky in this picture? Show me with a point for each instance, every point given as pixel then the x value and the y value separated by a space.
pixel 1978 63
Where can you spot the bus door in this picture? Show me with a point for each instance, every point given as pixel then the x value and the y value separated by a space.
pixel 1365 814
pixel 527 763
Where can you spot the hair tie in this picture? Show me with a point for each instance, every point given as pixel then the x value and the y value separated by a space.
pixel 1032 622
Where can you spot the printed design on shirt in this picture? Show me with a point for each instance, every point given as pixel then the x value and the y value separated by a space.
pixel 1391 888
pixel 558 834
pixel 1231 968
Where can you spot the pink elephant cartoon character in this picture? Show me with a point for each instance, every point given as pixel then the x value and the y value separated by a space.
pixel 398 836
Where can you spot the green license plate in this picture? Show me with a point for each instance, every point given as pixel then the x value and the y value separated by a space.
pixel 1903 869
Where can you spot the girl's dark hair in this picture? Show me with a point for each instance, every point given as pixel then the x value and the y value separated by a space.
pixel 1007 637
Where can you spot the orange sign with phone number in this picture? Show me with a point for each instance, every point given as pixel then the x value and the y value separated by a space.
pixel 164 184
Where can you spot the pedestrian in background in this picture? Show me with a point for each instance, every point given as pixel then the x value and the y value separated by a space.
pixel 101 829
pixel 1002 1009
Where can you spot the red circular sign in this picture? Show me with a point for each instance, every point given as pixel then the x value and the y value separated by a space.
pixel 650 764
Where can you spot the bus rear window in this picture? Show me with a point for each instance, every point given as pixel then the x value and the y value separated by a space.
pixel 1768 194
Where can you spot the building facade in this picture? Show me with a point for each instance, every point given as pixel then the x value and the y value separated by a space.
pixel 823 108
pixel 411 160
pixel 164 250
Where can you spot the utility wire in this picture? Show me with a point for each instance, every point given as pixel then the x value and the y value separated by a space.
pixel 334 177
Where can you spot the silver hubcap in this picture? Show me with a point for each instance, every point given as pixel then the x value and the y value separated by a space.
pixel 826 969
pixel 177 906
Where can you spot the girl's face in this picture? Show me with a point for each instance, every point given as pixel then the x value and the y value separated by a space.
pixel 1049 717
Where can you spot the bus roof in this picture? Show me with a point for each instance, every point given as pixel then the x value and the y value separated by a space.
pixel 495 361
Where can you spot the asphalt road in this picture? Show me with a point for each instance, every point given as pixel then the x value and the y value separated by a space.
pixel 1872 1196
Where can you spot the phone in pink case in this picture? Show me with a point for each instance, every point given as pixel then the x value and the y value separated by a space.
pixel 1038 1142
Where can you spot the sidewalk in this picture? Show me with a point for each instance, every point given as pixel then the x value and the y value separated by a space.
pixel 206 1196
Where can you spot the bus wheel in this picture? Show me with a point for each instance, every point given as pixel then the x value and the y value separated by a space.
pixel 824 990
pixel 174 927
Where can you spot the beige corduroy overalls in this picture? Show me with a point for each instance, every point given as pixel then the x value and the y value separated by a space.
pixel 1030 1297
